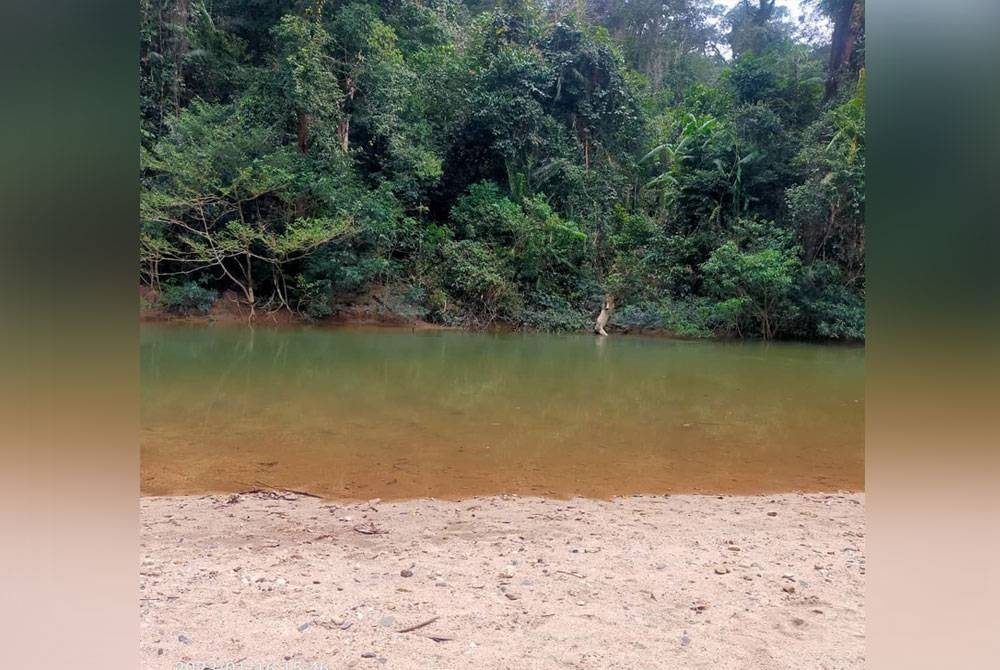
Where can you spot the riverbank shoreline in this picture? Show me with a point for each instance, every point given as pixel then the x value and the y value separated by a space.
pixel 228 309
pixel 773 581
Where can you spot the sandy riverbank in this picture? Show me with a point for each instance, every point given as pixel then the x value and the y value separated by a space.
pixel 520 583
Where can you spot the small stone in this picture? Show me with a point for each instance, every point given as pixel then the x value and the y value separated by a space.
pixel 184 639
pixel 406 573
pixel 722 571
pixel 368 654
pixel 733 548
pixel 788 589
pixel 304 626
pixel 661 566
pixel 508 572
pixel 511 595
pixel 580 603
pixel 772 514
pixel 281 581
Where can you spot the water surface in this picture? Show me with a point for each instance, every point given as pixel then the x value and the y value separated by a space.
pixel 371 413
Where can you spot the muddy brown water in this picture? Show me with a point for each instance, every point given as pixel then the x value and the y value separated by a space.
pixel 377 413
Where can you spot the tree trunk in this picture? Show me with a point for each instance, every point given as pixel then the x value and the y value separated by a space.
pixel 847 25
pixel 251 298
pixel 344 127
pixel 179 47
pixel 607 307
pixel 343 134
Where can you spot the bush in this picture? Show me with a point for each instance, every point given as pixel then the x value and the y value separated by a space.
pixel 480 283
pixel 186 298
pixel 684 318
pixel 827 308
pixel 554 313
pixel 639 316
pixel 312 298
pixel 752 281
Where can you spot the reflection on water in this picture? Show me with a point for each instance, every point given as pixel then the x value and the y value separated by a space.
pixel 393 414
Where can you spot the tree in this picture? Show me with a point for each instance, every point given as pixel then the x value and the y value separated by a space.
pixel 753 278
pixel 304 74
pixel 668 41
pixel 827 208
pixel 848 38
pixel 567 165
pixel 219 196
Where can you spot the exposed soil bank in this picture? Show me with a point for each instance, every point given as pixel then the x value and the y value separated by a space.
pixel 525 583
pixel 228 309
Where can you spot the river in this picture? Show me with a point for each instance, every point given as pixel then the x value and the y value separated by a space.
pixel 383 413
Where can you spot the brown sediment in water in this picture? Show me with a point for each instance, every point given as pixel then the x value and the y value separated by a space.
pixel 448 472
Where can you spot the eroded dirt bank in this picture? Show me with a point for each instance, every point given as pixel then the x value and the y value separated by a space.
pixel 520 583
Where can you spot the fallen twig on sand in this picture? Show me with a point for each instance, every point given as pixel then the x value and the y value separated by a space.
pixel 574 574
pixel 267 489
pixel 419 625
pixel 368 529
pixel 284 490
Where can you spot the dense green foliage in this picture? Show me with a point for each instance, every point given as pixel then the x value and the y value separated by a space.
pixel 478 163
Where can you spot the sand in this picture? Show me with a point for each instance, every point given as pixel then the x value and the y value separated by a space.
pixel 288 581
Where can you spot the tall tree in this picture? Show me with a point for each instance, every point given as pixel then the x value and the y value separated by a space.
pixel 848 36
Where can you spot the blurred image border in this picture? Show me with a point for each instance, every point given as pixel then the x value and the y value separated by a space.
pixel 70 393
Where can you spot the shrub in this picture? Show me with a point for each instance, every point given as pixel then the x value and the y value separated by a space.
pixel 479 281
pixel 554 313
pixel 827 308
pixel 186 298
pixel 312 298
pixel 682 317
pixel 753 281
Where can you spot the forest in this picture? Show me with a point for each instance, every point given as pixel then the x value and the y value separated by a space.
pixel 560 165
